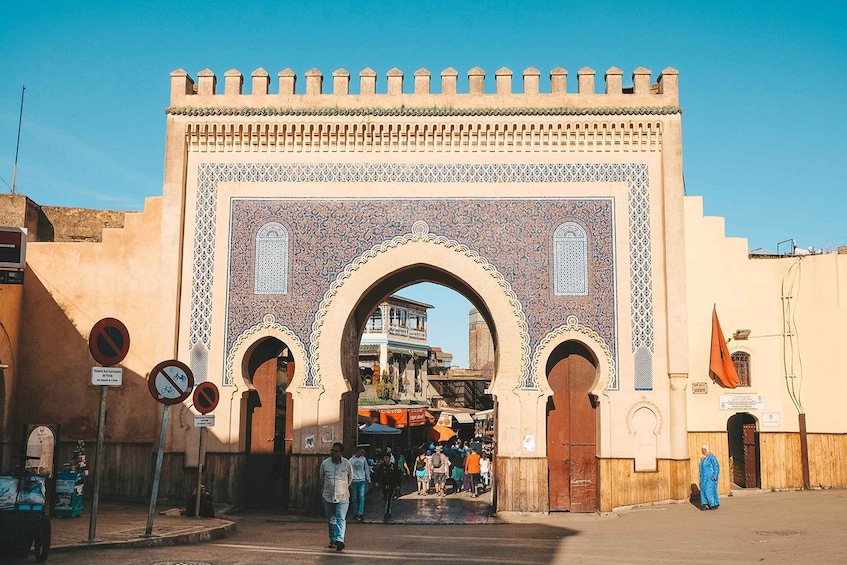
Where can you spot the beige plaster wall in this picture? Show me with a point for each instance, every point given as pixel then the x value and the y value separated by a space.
pixel 68 288
pixel 749 295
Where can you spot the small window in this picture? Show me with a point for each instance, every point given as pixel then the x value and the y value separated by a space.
pixel 271 276
pixel 741 360
pixel 570 260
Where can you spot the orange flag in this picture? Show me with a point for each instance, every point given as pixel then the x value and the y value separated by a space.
pixel 720 363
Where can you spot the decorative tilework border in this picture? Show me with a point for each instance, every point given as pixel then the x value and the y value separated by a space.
pixel 635 175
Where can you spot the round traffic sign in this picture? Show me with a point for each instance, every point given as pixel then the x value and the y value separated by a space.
pixel 108 342
pixel 206 397
pixel 170 382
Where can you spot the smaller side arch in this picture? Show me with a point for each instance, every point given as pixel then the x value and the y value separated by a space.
pixel 573 330
pixel 268 327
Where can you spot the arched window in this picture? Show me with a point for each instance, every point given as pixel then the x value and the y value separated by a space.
pixel 570 260
pixel 271 260
pixel 741 360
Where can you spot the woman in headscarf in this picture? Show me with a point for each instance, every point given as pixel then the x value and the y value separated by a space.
pixel 709 471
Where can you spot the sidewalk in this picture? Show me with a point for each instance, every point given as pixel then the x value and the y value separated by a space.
pixel 124 525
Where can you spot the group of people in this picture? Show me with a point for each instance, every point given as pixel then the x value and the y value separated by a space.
pixel 345 481
pixel 464 467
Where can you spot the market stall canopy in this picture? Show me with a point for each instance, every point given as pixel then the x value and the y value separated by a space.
pixel 379 429
pixel 440 433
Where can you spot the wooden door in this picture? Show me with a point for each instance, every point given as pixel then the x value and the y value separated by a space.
pixel 751 456
pixel 571 432
pixel 262 414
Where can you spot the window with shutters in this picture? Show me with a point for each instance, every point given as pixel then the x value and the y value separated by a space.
pixel 741 360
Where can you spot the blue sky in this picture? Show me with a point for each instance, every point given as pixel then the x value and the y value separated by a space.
pixel 762 86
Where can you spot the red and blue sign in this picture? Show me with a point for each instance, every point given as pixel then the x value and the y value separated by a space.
pixel 206 397
pixel 108 342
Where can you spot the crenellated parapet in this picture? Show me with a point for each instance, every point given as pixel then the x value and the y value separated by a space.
pixel 307 118
pixel 204 95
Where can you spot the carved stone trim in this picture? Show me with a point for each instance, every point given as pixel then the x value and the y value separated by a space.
pixel 644 403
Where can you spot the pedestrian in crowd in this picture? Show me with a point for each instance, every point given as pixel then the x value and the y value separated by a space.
pixel 485 471
pixel 387 476
pixel 403 467
pixel 402 464
pixel 472 470
pixel 336 476
pixel 422 472
pixel 457 474
pixel 390 454
pixel 709 471
pixel 440 466
pixel 361 480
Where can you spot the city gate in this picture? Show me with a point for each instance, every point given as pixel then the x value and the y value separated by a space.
pixel 557 214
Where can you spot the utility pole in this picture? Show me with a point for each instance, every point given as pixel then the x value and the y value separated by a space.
pixel 18 144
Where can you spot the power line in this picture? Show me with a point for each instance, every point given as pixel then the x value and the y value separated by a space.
pixel 18 144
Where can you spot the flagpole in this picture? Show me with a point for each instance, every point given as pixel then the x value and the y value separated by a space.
pixel 18 144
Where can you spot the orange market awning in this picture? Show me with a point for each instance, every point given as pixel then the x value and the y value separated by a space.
pixel 440 433
pixel 396 418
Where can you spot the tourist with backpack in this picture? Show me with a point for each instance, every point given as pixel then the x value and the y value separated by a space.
pixel 440 467
pixel 422 472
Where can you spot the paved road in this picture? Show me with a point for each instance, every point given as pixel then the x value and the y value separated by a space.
pixel 788 527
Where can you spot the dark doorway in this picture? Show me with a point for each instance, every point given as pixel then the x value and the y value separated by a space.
pixel 572 430
pixel 744 451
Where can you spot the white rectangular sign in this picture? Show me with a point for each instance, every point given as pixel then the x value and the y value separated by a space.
pixel 742 402
pixel 204 420
pixel 770 419
pixel 108 376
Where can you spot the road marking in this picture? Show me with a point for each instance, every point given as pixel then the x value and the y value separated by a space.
pixel 440 556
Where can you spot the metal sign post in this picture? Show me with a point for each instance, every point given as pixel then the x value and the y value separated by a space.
pixel 170 382
pixel 98 453
pixel 108 342
pixel 199 490
pixel 159 455
pixel 206 398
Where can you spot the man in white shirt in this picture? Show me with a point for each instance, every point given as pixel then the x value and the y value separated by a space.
pixel 361 480
pixel 336 475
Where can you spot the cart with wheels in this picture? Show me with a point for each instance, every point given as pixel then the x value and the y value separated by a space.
pixel 24 519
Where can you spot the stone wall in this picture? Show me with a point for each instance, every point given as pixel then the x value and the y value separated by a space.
pixel 57 223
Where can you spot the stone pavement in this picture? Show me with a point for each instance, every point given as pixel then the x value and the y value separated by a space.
pixel 811 523
pixel 124 524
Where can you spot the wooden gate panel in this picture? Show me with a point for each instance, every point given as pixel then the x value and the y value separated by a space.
pixel 260 458
pixel 571 433
pixel 558 448
pixel 751 457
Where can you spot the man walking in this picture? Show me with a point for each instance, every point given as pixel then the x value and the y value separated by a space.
pixel 472 469
pixel 387 477
pixel 361 480
pixel 336 475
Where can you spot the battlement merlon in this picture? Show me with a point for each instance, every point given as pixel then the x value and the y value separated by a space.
pixel 663 93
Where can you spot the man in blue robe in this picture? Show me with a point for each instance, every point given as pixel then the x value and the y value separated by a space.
pixel 709 471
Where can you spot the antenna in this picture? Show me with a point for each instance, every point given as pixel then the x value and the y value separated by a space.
pixel 18 144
